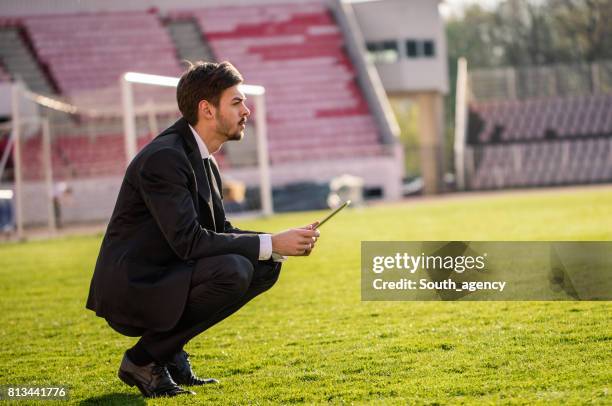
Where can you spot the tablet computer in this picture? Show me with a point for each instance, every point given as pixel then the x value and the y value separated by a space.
pixel 333 213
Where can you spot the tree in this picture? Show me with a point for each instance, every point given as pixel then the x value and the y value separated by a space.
pixel 583 28
pixel 531 32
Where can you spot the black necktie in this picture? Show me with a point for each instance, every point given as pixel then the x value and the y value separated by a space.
pixel 215 195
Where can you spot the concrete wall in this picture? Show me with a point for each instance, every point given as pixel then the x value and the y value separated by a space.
pixel 401 20
pixel 376 171
pixel 93 199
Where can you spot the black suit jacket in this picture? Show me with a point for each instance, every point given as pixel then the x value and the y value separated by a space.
pixel 163 221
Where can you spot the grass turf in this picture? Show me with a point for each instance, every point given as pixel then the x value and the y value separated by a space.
pixel 310 339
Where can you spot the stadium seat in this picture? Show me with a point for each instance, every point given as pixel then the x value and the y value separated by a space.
pixel 540 142
pixel 109 44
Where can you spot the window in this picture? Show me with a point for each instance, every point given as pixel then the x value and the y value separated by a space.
pixel 420 48
pixel 429 48
pixel 372 47
pixel 411 49
pixel 383 51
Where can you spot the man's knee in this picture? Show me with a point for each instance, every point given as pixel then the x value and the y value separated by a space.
pixel 229 275
pixel 237 273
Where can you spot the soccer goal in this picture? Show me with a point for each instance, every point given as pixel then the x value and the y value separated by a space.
pixel 68 153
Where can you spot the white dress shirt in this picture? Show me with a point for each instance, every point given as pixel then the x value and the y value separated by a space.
pixel 265 240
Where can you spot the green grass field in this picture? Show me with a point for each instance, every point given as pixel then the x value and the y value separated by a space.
pixel 310 339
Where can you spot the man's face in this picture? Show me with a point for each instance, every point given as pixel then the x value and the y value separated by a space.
pixel 232 114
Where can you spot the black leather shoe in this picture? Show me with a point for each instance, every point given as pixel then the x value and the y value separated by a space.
pixel 153 380
pixel 180 370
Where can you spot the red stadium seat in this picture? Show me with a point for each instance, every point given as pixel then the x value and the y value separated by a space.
pixel 315 109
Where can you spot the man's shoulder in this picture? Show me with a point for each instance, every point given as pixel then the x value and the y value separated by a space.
pixel 167 145
pixel 169 140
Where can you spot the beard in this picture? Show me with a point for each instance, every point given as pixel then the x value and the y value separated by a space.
pixel 231 130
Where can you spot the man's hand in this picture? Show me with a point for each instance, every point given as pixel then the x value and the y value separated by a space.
pixel 296 241
pixel 312 226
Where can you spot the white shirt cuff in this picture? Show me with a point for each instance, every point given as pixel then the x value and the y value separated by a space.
pixel 265 249
pixel 265 246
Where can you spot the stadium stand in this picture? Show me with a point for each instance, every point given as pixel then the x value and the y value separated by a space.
pixel 540 142
pixel 86 70
pixel 108 44
pixel 296 52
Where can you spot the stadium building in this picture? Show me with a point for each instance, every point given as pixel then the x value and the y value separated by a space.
pixel 326 66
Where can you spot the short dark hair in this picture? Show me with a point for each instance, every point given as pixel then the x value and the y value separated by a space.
pixel 204 81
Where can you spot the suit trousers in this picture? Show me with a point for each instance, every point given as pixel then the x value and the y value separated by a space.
pixel 220 285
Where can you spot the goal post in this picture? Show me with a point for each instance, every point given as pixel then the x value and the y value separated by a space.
pixel 257 93
pixel 461 122
pixel 14 147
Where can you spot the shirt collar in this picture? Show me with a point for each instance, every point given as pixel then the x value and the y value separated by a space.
pixel 201 146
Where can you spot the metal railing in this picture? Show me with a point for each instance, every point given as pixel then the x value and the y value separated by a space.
pixel 540 81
